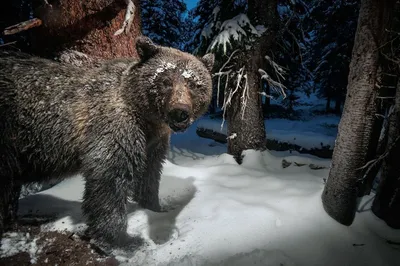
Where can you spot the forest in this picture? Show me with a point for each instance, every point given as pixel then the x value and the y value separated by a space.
pixel 294 162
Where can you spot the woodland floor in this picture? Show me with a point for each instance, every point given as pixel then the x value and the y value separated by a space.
pixel 58 248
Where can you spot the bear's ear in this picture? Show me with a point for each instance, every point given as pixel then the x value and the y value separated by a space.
pixel 208 61
pixel 146 48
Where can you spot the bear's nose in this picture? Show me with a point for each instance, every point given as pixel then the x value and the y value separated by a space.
pixel 178 115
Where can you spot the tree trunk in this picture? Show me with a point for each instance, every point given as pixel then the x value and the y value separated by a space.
pixel 328 104
pixel 85 26
pixel 386 204
pixel 338 104
pixel 343 186
pixel 249 132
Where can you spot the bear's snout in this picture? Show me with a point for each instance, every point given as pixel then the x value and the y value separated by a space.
pixel 179 117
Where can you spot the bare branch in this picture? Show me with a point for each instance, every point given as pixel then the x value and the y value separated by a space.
pixel 129 16
pixel 371 164
pixel 22 26
pixel 277 86
pixel 9 43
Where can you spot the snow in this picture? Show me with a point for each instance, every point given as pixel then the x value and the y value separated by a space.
pixel 221 213
pixel 13 243
pixel 309 134
pixel 233 28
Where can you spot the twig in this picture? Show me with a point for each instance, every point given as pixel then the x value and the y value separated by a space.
pixel 374 162
pixel 22 26
pixel 9 43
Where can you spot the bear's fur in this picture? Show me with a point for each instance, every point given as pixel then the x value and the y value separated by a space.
pixel 111 123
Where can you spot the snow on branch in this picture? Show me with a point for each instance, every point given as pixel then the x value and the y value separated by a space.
pixel 129 16
pixel 236 28
pixel 275 85
pixel 241 75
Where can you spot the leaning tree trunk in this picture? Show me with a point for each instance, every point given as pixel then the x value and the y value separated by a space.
pixel 386 204
pixel 356 132
pixel 245 118
pixel 84 26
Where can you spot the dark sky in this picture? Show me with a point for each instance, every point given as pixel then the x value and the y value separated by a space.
pixel 190 3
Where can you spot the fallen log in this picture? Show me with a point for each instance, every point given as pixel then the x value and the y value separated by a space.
pixel 272 144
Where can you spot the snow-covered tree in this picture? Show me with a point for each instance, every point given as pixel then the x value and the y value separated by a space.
pixel 241 34
pixel 163 21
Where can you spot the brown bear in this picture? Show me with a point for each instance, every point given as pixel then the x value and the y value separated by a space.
pixel 111 123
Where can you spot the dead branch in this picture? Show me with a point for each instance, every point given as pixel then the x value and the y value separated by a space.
pixel 129 16
pixel 224 73
pixel 369 165
pixel 22 26
pixel 9 43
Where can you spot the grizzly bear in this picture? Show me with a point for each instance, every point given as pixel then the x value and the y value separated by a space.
pixel 110 122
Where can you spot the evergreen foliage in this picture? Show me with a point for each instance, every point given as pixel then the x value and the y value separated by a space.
pixel 163 21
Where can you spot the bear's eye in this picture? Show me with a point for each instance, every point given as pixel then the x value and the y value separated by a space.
pixel 194 86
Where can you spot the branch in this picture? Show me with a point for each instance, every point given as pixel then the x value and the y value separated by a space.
pixel 129 16
pixel 277 86
pixel 22 26
pixel 369 165
pixel 9 43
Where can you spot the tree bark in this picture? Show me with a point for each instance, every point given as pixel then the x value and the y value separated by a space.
pixel 355 134
pixel 85 26
pixel 249 132
pixel 386 204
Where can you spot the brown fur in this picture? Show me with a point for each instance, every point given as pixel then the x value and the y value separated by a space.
pixel 110 123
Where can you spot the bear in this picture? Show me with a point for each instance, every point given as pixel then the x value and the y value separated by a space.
pixel 109 122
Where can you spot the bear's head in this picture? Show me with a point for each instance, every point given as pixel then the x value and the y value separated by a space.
pixel 177 85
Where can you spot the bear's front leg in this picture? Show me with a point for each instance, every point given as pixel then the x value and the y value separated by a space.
pixel 109 172
pixel 147 194
pixel 8 204
pixel 12 210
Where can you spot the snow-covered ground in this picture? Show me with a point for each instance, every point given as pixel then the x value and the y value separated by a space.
pixel 221 213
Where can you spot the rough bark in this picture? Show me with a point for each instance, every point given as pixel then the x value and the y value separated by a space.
pixel 386 204
pixel 250 131
pixel 85 26
pixel 355 134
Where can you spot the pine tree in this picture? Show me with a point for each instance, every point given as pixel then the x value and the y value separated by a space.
pixel 334 25
pixel 356 138
pixel 163 21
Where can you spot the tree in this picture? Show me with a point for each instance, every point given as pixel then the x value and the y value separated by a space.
pixel 356 137
pixel 205 15
pixel 386 203
pixel 88 27
pixel 334 25
pixel 241 34
pixel 245 115
pixel 162 21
